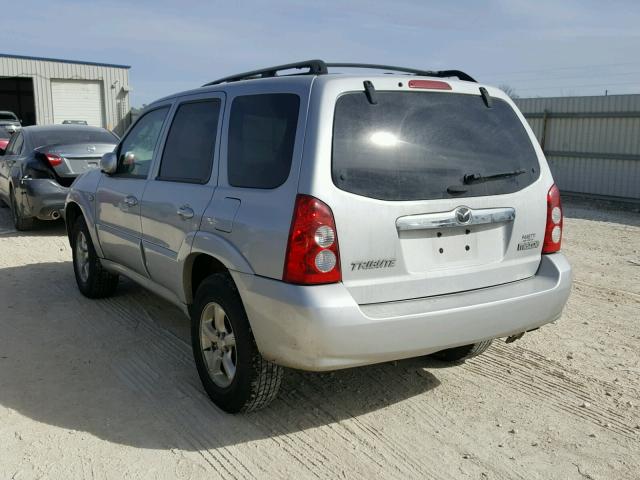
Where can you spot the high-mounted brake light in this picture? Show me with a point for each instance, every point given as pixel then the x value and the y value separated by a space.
pixel 553 230
pixel 312 256
pixel 429 84
pixel 54 160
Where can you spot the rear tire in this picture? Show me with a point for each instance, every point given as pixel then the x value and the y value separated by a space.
pixel 462 353
pixel 19 222
pixel 92 279
pixel 232 370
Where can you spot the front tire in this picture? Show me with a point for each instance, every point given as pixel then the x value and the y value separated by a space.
pixel 462 353
pixel 92 279
pixel 232 370
pixel 19 222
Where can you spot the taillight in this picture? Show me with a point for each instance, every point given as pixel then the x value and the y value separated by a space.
pixel 54 160
pixel 312 252
pixel 429 84
pixel 553 231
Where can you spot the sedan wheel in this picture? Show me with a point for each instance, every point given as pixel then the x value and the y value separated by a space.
pixel 20 222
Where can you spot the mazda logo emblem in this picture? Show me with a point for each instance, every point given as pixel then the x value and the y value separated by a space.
pixel 463 215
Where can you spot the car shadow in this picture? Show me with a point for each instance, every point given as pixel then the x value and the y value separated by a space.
pixel 121 369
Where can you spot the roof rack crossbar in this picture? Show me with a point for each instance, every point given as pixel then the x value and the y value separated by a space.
pixel 316 67
pixel 319 67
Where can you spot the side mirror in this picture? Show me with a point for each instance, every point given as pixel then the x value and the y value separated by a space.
pixel 109 163
pixel 129 159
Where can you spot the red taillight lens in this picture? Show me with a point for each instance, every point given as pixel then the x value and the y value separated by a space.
pixel 54 160
pixel 312 256
pixel 553 231
pixel 429 84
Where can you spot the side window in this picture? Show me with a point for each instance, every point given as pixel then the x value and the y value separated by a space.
pixel 188 151
pixel 136 151
pixel 15 145
pixel 262 131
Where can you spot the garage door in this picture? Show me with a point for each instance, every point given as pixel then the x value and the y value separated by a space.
pixel 77 100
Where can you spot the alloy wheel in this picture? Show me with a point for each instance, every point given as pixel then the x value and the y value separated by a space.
pixel 82 257
pixel 218 344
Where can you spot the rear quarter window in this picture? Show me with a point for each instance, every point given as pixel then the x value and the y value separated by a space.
pixel 262 132
pixel 414 145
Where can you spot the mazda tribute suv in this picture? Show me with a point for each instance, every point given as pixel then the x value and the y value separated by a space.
pixel 320 221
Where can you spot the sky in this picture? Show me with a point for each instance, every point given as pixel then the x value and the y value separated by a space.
pixel 538 48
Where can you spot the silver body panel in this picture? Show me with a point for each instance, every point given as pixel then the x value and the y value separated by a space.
pixel 323 328
pixel 425 302
pixel 118 220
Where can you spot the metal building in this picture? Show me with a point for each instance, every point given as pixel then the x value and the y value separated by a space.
pixel 592 143
pixel 48 91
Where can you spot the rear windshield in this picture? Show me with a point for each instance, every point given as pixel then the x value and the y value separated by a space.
pixel 70 135
pixel 420 146
pixel 7 116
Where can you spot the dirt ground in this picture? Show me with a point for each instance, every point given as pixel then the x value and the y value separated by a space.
pixel 108 389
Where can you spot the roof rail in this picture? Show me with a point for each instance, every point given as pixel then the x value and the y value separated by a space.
pixel 316 67
pixel 319 67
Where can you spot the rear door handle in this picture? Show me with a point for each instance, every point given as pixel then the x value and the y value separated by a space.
pixel 185 212
pixel 130 201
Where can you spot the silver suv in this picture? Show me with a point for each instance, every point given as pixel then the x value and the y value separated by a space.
pixel 319 221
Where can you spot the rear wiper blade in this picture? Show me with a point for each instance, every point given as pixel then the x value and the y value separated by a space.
pixel 479 178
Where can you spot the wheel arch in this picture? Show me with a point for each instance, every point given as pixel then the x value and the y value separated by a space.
pixel 213 254
pixel 75 208
pixel 71 213
pixel 197 267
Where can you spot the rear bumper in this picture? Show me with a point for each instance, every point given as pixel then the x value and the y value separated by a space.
pixel 45 198
pixel 322 328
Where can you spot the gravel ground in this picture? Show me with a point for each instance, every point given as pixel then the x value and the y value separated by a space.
pixel 108 389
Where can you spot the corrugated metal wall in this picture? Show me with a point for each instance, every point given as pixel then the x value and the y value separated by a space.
pixel 115 85
pixel 592 144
